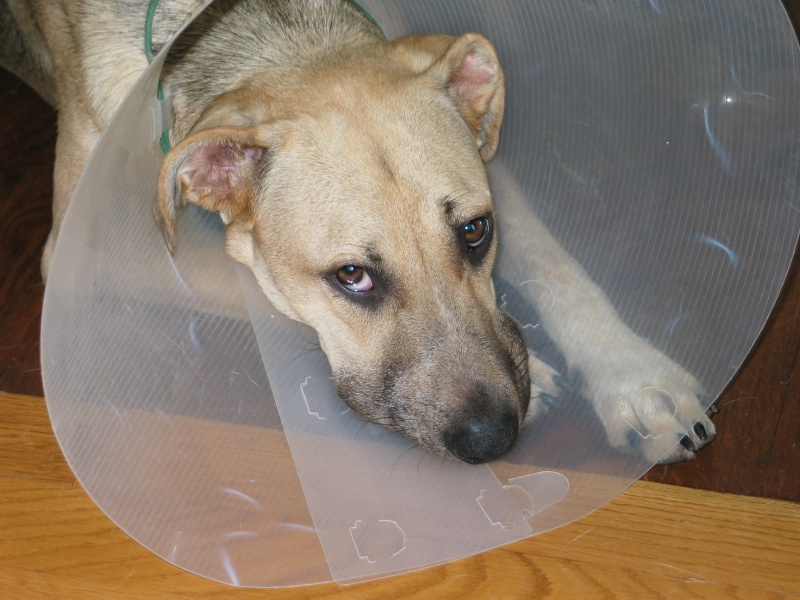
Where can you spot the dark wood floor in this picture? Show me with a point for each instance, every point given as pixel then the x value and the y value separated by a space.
pixel 756 452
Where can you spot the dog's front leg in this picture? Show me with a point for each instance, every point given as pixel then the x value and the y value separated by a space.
pixel 645 401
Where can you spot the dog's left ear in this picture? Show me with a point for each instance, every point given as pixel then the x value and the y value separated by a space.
pixel 217 169
pixel 467 67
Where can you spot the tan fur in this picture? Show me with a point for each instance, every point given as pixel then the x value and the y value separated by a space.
pixel 324 145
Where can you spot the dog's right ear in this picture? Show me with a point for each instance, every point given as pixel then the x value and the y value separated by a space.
pixel 217 169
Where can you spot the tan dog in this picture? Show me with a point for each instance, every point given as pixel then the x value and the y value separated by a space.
pixel 350 174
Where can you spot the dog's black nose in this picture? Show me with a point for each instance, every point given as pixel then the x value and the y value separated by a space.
pixel 479 439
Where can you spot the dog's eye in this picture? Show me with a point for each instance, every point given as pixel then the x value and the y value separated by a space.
pixel 476 232
pixel 354 278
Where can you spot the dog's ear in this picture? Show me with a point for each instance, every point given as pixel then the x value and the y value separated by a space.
pixel 217 169
pixel 467 67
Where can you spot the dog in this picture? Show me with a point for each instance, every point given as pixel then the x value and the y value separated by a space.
pixel 350 172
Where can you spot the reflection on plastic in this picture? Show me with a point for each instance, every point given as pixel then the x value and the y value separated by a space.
pixel 657 141
pixel 378 541
pixel 523 497
pixel 306 391
pixel 732 256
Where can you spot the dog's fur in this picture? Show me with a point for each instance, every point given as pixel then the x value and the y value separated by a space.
pixel 324 146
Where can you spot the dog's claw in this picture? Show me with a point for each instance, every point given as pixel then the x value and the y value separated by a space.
pixel 712 410
pixel 687 443
pixel 548 400
pixel 571 384
pixel 701 432
pixel 634 439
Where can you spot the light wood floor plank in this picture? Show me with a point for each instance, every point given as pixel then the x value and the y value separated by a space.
pixel 654 541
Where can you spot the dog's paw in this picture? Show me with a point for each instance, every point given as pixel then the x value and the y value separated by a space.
pixel 546 388
pixel 648 404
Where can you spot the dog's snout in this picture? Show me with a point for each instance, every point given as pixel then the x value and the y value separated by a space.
pixel 481 438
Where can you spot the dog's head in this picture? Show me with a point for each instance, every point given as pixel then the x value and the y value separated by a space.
pixel 356 192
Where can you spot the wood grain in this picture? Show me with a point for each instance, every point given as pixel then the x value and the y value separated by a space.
pixel 654 541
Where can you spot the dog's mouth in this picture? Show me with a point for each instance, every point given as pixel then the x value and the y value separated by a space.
pixel 472 413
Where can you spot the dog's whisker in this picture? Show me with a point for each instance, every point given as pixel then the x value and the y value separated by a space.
pixel 305 353
pixel 402 454
pixel 421 458
pixel 363 424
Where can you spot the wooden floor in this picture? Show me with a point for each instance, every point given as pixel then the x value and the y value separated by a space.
pixel 654 541
pixel 704 538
